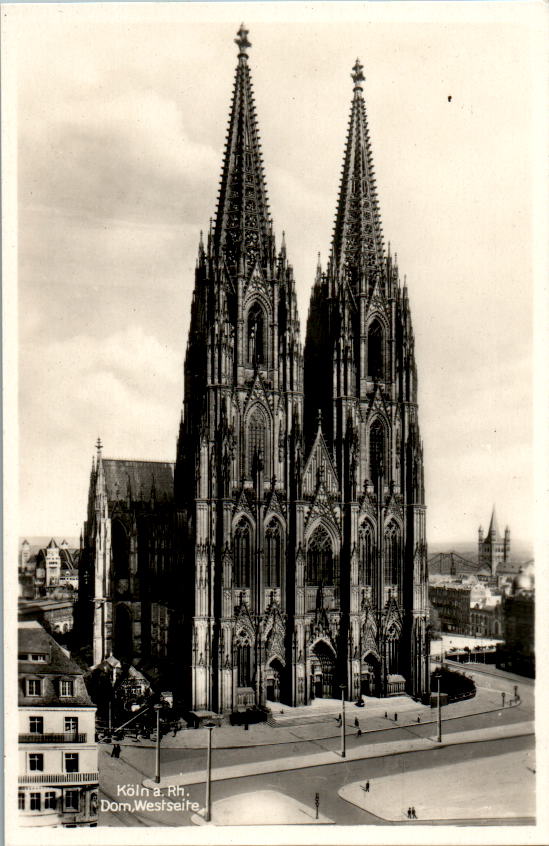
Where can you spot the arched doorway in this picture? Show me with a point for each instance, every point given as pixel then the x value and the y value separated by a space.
pixel 123 640
pixel 273 677
pixel 370 675
pixel 323 670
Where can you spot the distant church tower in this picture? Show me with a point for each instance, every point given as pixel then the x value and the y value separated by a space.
pixel 239 454
pixel 493 550
pixel 360 331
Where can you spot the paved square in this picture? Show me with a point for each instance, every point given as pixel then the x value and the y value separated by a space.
pixel 499 787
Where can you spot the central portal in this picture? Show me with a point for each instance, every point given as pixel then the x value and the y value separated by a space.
pixel 323 671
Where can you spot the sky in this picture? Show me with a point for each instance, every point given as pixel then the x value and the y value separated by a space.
pixel 121 115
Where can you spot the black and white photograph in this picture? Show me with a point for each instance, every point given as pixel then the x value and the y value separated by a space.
pixel 273 442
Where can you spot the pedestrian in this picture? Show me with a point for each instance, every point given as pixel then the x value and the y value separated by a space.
pixel 358 732
pixel 503 699
pixel 118 750
pixel 174 730
pixel 367 786
pixel 396 717
pixel 414 815
pixel 409 813
pixel 418 718
pixel 113 753
pixel 385 714
pixel 356 722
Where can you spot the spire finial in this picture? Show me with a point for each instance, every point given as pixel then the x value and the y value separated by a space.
pixel 319 418
pixel 242 41
pixel 99 447
pixel 357 75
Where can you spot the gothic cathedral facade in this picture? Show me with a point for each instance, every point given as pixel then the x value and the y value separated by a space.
pixel 283 557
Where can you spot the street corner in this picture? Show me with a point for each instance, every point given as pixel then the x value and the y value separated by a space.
pixel 262 807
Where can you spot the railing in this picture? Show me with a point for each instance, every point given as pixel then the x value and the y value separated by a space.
pixel 58 778
pixel 64 737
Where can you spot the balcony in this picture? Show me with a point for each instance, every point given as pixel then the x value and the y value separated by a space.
pixel 64 737
pixel 59 778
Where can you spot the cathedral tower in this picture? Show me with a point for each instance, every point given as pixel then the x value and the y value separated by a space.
pixel 359 329
pixel 239 452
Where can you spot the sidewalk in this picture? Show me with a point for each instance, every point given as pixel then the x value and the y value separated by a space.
pixel 317 722
pixel 355 754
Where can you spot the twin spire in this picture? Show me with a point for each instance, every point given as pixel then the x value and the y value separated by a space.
pixel 357 240
pixel 243 226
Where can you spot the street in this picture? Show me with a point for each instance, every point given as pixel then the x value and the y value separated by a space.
pixel 137 764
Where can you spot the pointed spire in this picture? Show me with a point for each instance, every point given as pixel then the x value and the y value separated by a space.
pixel 493 523
pixel 242 225
pixel 357 240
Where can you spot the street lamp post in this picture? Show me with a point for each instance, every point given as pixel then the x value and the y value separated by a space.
pixel 208 810
pixel 342 686
pixel 439 714
pixel 157 708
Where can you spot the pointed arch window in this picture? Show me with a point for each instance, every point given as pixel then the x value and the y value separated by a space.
pixel 257 444
pixel 256 335
pixel 321 567
pixel 375 350
pixel 242 553
pixel 392 555
pixel 366 554
pixel 377 450
pixel 273 554
pixel 120 550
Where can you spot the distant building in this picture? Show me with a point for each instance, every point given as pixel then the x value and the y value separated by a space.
pixel 58 769
pixel 50 570
pixel 452 604
pixel 493 550
pixel 517 653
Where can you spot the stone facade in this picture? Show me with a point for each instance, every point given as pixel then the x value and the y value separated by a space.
pixel 295 551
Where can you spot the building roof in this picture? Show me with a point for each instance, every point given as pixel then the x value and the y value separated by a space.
pixel 32 638
pixel 52 544
pixel 141 476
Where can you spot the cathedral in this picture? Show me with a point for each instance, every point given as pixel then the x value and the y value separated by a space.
pixel 282 557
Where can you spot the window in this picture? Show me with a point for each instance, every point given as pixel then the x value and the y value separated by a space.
pixel 35 801
pixel 38 656
pixel 36 762
pixel 377 445
pixel 375 351
pixel 66 688
pixel 21 800
pixel 71 724
pixel 392 554
pixel 36 725
pixel 366 555
pixel 258 457
pixel 256 338
pixel 71 762
pixel 273 554
pixel 320 560
pixel 242 554
pixel 50 800
pixel 34 687
pixel 72 800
